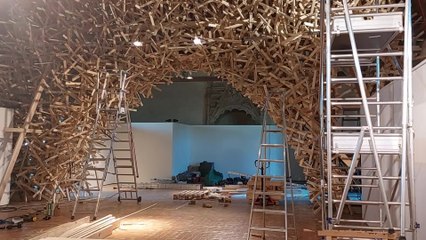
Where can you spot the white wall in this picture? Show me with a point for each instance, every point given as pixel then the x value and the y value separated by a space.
pixel 181 148
pixel 392 115
pixel 165 149
pixel 231 148
pixel 6 120
pixel 154 149
pixel 419 120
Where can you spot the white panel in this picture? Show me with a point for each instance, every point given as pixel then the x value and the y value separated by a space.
pixel 419 120
pixel 6 120
pixel 386 21
pixel 347 144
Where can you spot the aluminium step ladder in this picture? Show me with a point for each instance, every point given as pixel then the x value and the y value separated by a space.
pixel 270 214
pixel 112 141
pixel 357 43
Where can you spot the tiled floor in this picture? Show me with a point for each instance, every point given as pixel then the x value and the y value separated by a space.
pixel 175 219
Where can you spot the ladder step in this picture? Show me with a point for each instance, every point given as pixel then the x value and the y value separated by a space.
pixel 96 168
pixel 97 159
pixel 125 190
pixel 123 166
pixel 277 145
pixel 272 160
pixel 365 79
pixel 93 179
pixel 269 211
pixel 361 55
pixel 125 174
pixel 101 148
pixel 122 149
pixel 283 230
pixel 274 130
pixel 341 103
pixel 367 177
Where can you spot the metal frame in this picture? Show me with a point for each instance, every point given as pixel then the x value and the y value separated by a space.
pixel 263 162
pixel 371 134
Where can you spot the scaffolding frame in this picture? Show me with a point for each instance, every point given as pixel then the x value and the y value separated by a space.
pixel 344 30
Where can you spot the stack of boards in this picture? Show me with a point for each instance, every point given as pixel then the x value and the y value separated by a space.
pixel 81 229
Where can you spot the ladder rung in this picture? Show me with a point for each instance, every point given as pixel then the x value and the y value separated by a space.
pixel 122 159
pixel 124 166
pixel 277 145
pixel 369 103
pixel 96 168
pixel 395 5
pixel 271 160
pixel 122 149
pixel 124 190
pixel 125 174
pixel 365 79
pixel 359 128
pixel 98 159
pixel 269 211
pixel 380 54
pixel 269 229
pixel 101 148
pixel 274 130
pixel 367 177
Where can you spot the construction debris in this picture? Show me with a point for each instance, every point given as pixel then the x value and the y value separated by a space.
pixel 191 195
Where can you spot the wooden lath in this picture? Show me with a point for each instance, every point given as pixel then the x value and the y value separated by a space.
pixel 248 43
pixel 20 140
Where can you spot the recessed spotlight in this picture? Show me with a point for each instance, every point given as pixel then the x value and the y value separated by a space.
pixel 189 77
pixel 137 43
pixel 197 41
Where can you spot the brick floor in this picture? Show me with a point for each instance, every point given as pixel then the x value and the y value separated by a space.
pixel 174 219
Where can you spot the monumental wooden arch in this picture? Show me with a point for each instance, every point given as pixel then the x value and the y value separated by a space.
pixel 252 44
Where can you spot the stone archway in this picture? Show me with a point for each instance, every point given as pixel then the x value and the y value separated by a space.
pixel 252 44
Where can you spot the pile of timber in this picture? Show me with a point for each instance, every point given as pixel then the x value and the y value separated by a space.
pixel 82 229
pixel 271 186
pixel 191 195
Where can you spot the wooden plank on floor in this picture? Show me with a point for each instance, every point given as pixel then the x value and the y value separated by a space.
pixel 58 230
pixel 330 234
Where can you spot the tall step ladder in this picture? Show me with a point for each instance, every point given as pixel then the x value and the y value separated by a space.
pixel 271 215
pixel 112 141
pixel 357 42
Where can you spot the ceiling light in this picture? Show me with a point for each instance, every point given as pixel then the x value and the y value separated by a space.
pixel 197 41
pixel 189 77
pixel 137 43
